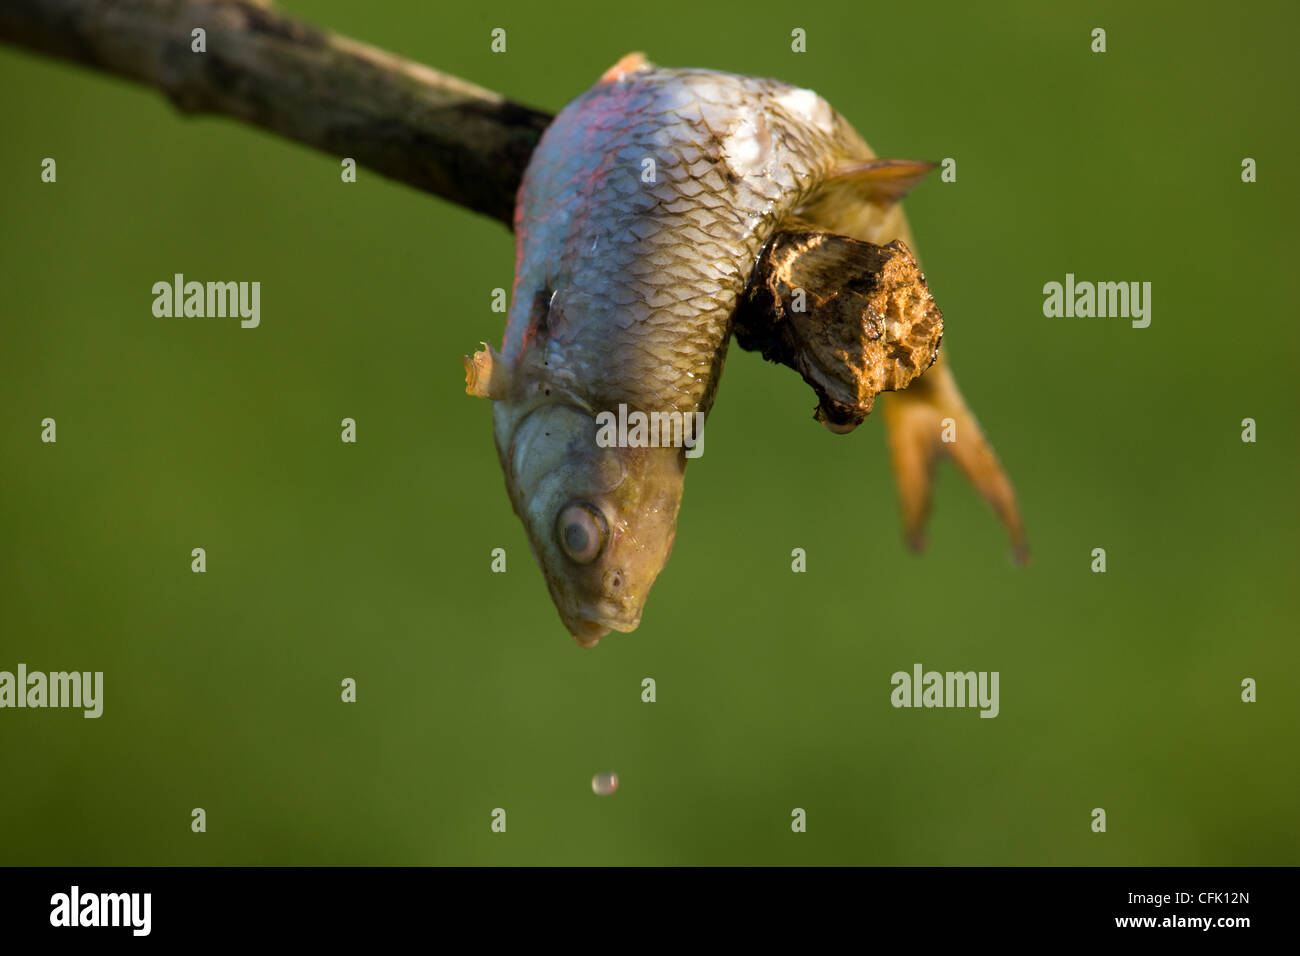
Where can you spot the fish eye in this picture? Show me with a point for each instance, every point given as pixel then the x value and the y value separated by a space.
pixel 581 531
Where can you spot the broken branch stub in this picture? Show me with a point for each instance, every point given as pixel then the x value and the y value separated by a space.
pixel 853 318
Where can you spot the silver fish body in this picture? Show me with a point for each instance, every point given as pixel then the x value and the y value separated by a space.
pixel 640 217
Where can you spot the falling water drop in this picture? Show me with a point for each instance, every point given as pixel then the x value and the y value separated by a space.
pixel 603 784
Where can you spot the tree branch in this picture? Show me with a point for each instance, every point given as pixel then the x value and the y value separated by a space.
pixel 406 121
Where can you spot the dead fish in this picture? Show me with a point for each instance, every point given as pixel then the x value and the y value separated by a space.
pixel 638 222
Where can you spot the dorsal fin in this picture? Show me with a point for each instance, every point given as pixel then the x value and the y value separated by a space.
pixel 881 181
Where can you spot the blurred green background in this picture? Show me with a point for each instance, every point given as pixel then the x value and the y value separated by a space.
pixel 371 561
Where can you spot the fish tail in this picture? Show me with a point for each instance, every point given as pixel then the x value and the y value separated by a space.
pixel 930 419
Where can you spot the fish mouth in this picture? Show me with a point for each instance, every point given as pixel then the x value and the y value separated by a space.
pixel 587 630
pixel 588 633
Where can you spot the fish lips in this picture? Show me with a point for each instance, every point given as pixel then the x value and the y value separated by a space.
pixel 589 626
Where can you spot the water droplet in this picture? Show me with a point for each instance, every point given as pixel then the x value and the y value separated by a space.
pixel 603 784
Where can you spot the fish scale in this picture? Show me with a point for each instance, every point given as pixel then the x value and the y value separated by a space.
pixel 649 273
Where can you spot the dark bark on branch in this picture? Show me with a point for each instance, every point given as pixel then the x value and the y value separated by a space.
pixel 406 121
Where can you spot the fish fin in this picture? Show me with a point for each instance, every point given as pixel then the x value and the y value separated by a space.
pixel 485 374
pixel 630 63
pixel 880 181
pixel 919 420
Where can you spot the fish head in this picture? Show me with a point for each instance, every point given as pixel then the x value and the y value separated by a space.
pixel 601 520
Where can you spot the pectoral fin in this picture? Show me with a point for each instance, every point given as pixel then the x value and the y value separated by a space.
pixel 485 373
